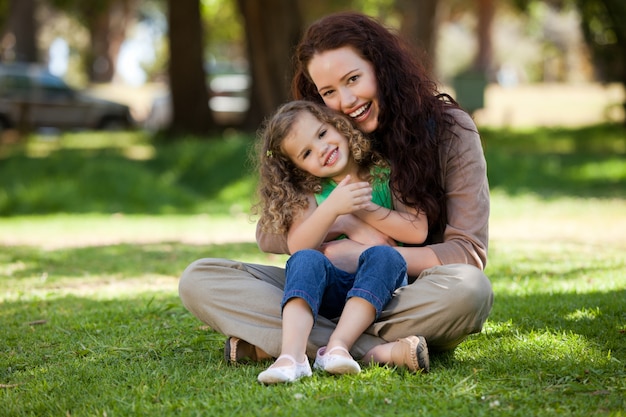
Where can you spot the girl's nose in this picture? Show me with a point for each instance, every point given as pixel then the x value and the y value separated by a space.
pixel 321 148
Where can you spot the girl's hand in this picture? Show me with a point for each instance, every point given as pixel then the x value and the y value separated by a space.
pixel 349 197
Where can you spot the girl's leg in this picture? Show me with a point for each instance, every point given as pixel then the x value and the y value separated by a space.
pixel 292 364
pixel 308 274
pixel 297 324
pixel 380 271
pixel 357 315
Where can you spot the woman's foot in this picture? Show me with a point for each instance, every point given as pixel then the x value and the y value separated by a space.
pixel 237 350
pixel 285 369
pixel 409 352
pixel 338 363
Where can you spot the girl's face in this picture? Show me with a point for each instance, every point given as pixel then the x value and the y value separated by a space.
pixel 318 148
pixel 347 83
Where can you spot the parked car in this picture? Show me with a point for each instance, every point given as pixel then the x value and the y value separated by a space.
pixel 229 90
pixel 32 97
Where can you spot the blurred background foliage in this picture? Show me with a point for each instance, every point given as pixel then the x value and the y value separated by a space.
pixel 178 44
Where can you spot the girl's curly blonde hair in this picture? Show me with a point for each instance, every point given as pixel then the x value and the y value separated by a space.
pixel 283 188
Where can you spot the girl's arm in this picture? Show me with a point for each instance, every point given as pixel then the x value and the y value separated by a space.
pixel 309 228
pixel 404 224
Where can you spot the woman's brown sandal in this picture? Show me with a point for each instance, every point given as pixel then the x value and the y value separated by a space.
pixel 411 352
pixel 239 351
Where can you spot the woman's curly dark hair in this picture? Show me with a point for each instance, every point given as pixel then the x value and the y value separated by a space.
pixel 413 115
pixel 283 188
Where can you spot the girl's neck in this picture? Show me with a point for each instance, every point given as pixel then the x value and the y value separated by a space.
pixel 352 169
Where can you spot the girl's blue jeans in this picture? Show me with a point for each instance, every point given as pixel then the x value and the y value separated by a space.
pixel 311 276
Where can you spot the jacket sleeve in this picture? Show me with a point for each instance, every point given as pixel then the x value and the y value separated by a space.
pixel 271 242
pixel 464 170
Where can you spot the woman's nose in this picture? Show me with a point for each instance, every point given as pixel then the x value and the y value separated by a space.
pixel 347 98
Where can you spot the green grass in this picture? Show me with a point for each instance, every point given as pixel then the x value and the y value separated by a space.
pixel 92 324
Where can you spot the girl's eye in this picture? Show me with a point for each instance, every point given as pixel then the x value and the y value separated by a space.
pixel 322 134
pixel 306 153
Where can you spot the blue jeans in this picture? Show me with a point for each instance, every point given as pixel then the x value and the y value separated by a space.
pixel 311 276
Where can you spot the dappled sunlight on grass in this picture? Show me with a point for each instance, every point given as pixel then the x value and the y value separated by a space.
pixel 89 268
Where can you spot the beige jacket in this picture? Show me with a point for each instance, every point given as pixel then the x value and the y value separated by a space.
pixel 464 174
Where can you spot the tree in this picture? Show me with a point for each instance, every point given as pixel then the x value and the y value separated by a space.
pixel 21 33
pixel 273 28
pixel 604 29
pixel 190 99
pixel 419 24
pixel 106 21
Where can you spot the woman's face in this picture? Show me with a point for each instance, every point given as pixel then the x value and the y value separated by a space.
pixel 347 83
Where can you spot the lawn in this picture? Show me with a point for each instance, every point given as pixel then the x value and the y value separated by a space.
pixel 95 230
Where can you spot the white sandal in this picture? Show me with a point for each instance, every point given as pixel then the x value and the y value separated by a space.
pixel 282 374
pixel 336 364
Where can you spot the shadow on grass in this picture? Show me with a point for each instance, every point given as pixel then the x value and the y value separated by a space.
pixel 150 351
pixel 136 350
pixel 585 162
pixel 181 177
pixel 121 261
pixel 191 176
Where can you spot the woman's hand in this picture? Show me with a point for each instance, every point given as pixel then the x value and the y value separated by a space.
pixel 359 231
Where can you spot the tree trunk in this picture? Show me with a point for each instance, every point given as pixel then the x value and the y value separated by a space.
pixel 419 24
pixel 617 13
pixel 599 17
pixel 273 28
pixel 190 98
pixel 107 29
pixel 21 32
pixel 483 62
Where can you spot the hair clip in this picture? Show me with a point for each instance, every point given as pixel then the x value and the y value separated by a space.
pixel 269 154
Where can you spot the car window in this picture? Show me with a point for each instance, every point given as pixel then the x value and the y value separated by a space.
pixel 14 85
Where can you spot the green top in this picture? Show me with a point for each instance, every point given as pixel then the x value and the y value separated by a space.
pixel 381 193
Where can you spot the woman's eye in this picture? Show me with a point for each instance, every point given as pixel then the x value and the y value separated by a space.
pixel 353 78
pixel 327 93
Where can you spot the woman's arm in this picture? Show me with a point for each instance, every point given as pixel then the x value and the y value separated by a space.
pixel 464 172
pixel 271 242
pixel 404 224
pixel 345 254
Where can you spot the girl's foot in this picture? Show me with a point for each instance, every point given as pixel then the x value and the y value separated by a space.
pixel 338 363
pixel 285 373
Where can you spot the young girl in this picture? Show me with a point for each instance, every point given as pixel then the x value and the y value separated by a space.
pixel 315 167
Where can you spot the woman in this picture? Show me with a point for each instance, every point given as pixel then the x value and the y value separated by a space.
pixel 355 65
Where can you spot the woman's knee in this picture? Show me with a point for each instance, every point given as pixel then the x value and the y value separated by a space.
pixel 199 272
pixel 472 294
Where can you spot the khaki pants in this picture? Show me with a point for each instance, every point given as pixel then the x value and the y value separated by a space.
pixel 444 304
